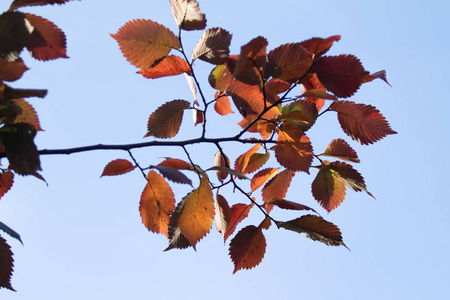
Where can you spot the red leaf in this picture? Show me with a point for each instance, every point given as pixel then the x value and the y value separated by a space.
pixel 328 188
pixel 380 74
pixel 188 15
pixel 222 214
pixel 213 46
pixel 223 105
pixel 118 167
pixel 11 71
pixel 278 185
pixel 6 182
pixel 319 46
pixel 316 228
pixel 253 56
pixel 47 41
pixel 289 62
pixel 313 83
pixel 168 66
pixel 143 42
pixel 6 265
pixel 363 123
pixel 27 114
pixel 342 75
pixel 339 148
pixel 247 248
pixel 157 203
pixel 285 204
pixel 276 86
pixel 165 122
pixel 21 3
pixel 351 177
pixel 239 212
pixel 176 164
pixel 261 177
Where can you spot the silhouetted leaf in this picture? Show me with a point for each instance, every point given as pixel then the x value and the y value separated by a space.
pixel 319 46
pixel 6 182
pixel 339 148
pixel 328 188
pixel 168 66
pixel 6 265
pixel 239 212
pixel 11 71
pixel 188 15
pixel 21 3
pixel 26 114
pixel 157 203
pixel 363 123
pixel 173 175
pixel 11 232
pixel 14 35
pixel 262 176
pixel 247 248
pixel 289 62
pixel 213 46
pixel 165 122
pixel 222 214
pixel 9 93
pixel 118 167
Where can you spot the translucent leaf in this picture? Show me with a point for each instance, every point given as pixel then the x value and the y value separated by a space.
pixel 47 41
pixel 318 94
pixel 14 35
pixel 339 148
pixel 265 224
pixel 285 204
pixel 247 248
pixel 377 75
pixel 256 161
pixel 6 265
pixel 289 62
pixel 252 57
pixel 11 71
pixel 278 186
pixel 328 188
pixel 213 46
pixel 6 182
pixel 222 214
pixel 223 105
pixel 239 212
pixel 313 83
pixel 173 175
pixel 363 123
pixel 21 3
pixel 319 46
pixel 165 122
pixel 242 161
pixel 157 203
pixel 261 177
pixel 301 113
pixel 118 167
pixel 248 99
pixel 143 42
pixel 176 164
pixel 220 77
pixel 316 228
pixel 351 177
pixel 275 86
pixel 168 66
pixel 342 75
pixel 11 232
pixel 188 15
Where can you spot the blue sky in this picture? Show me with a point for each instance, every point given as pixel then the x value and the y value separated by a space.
pixel 83 237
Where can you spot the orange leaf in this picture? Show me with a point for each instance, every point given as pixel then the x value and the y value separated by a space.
pixel 293 149
pixel 11 71
pixel 247 248
pixel 176 164
pixel 239 212
pixel 6 182
pixel 256 161
pixel 278 185
pixel 328 188
pixel 319 46
pixel 143 42
pixel 27 114
pixel 265 224
pixel 118 167
pixel 242 161
pixel 316 228
pixel 342 75
pixel 220 77
pixel 222 214
pixel 47 41
pixel 261 177
pixel 285 204
pixel 248 99
pixel 223 105
pixel 339 148
pixel 253 56
pixel 276 86
pixel 21 3
pixel 289 62
pixel 313 83
pixel 197 213
pixel 165 122
pixel 168 66
pixel 6 265
pixel 363 123
pixel 213 46
pixel 188 15
pixel 157 203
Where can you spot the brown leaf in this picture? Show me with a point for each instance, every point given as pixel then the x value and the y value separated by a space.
pixel 285 204
pixel 222 214
pixel 6 182
pixel 289 62
pixel 380 75
pixel 328 188
pixel 143 42
pixel 213 46
pixel 223 105
pixel 6 265
pixel 339 148
pixel 188 15
pixel 22 3
pixel 118 167
pixel 316 228
pixel 247 248
pixel 9 93
pixel 27 114
pixel 176 164
pixel 239 212
pixel 319 46
pixel 351 177
pixel 275 86
pixel 157 203
pixel 11 71
pixel 252 57
pixel 313 83
pixel 47 41
pixel 165 122
pixel 173 175
pixel 14 35
pixel 221 161
pixel 261 177
pixel 278 185
pixel 363 123
pixel 342 75
pixel 168 66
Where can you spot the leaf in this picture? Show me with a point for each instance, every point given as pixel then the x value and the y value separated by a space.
pixel 6 265
pixel 157 203
pixel 293 149
pixel 14 35
pixel 319 46
pixel 6 182
pixel 301 113
pixel 342 75
pixel 188 15
pixel 143 42
pixel 176 164
pixel 248 99
pixel 247 248
pixel 176 238
pixel 318 94
pixel 339 148
pixel 278 185
pixel 27 114
pixel 228 170
pixel 22 3
pixel 363 123
pixel 221 161
pixel 118 167
pixel 328 188
pixel 197 115
pixel 275 86
pixel 261 177
pixel 165 122
pixel 314 84
pixel 252 57
pixel 380 75
pixel 256 161
pixel 285 204
pixel 47 41
pixel 289 62
pixel 173 175
pixel 11 71
pixel 223 105
pixel 239 212
pixel 222 215
pixel 9 93
pixel 197 213
pixel 220 77
pixel 265 224
pixel 315 228
pixel 351 177
pixel 242 161
pixel 168 66
pixel 11 232
pixel 213 46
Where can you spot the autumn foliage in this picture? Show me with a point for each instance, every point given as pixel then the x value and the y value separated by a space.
pixel 279 93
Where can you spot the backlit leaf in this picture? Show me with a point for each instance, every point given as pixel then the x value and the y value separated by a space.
pixel 339 148
pixel 176 238
pixel 213 46
pixel 21 3
pixel 351 177
pixel 316 228
pixel 319 46
pixel 220 77
pixel 6 182
pixel 118 167
pixel 223 105
pixel 380 74
pixel 248 99
pixel 247 248
pixel 176 164
pixel 221 161
pixel 6 265
pixel 289 62
pixel 301 113
pixel 169 66
pixel 165 122
pixel 328 188
pixel 262 176
pixel 277 187
pixel 256 161
pixel 47 41
pixel 143 42
pixel 285 204
pixel 157 203
pixel 363 123
pixel 318 94
pixel 11 71
pixel 222 214
pixel 173 175
pixel 242 161
pixel 252 57
pixel 313 83
pixel 275 86
pixel 228 170
pixel 239 212
pixel 188 15
pixel 342 75
pixel 11 232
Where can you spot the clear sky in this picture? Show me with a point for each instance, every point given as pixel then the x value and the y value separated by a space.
pixel 83 236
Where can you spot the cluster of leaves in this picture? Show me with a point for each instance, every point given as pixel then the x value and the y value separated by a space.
pixel 259 84
pixel 18 119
